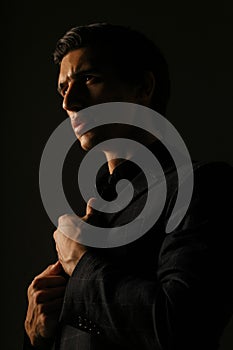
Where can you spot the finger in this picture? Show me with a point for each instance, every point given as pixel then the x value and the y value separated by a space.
pixel 54 269
pixel 92 215
pixel 49 294
pixel 59 255
pixel 49 324
pixel 89 209
pixel 42 282
pixel 51 308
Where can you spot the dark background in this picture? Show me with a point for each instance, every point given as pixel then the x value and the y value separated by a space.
pixel 196 38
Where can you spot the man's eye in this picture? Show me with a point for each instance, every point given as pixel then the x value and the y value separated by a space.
pixel 91 79
pixel 88 77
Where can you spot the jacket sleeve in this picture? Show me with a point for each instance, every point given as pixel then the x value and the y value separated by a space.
pixel 186 303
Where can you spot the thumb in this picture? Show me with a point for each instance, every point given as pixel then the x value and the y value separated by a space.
pixel 92 215
pixel 90 211
pixel 54 269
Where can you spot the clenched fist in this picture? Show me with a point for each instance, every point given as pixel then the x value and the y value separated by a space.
pixel 45 297
pixel 70 251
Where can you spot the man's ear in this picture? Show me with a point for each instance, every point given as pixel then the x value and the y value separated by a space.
pixel 146 88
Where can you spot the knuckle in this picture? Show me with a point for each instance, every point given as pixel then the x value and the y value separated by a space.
pixel 54 235
pixel 41 309
pixel 38 296
pixel 67 219
pixel 64 217
pixel 29 290
pixel 36 283
pixel 43 318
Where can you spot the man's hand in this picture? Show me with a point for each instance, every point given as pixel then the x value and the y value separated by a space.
pixel 45 297
pixel 70 251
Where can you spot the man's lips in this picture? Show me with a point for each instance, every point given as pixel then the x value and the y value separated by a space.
pixel 81 121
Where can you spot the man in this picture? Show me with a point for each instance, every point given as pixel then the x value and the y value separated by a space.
pixel 158 292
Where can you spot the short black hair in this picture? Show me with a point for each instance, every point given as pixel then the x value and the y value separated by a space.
pixel 131 52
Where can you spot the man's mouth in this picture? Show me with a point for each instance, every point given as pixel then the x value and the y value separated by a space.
pixel 79 126
pixel 81 123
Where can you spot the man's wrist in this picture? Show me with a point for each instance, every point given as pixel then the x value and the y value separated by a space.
pixel 75 264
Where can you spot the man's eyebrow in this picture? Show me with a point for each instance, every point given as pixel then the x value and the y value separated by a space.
pixel 79 72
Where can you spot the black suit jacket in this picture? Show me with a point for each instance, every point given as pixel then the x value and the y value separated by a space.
pixel 161 291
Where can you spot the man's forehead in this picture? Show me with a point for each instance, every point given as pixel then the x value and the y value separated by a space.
pixel 74 61
pixel 83 59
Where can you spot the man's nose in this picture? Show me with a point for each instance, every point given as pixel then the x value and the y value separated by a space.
pixel 73 99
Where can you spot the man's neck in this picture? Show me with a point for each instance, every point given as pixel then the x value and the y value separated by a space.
pixel 114 162
pixel 114 159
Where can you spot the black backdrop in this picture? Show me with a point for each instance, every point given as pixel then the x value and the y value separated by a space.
pixel 196 39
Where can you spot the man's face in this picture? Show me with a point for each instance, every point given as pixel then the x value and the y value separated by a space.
pixel 86 80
